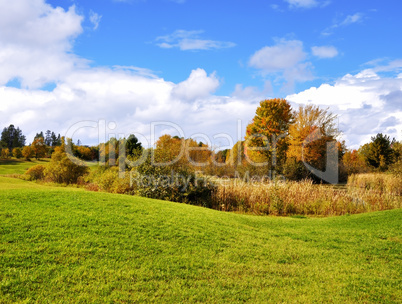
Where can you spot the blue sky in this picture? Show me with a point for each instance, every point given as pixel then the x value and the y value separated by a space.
pixel 201 65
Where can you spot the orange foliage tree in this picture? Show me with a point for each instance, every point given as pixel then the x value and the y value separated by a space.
pixel 309 134
pixel 266 136
pixel 39 148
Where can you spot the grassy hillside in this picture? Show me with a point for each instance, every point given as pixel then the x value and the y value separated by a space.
pixel 69 245
pixel 18 166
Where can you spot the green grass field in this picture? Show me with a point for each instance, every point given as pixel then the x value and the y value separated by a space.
pixel 18 166
pixel 65 245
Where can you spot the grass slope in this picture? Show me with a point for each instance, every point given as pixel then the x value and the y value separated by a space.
pixel 67 245
pixel 18 166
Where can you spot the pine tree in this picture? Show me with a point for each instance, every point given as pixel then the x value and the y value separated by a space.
pixel 12 137
pixel 48 138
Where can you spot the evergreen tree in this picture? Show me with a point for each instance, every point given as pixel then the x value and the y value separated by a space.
pixel 132 145
pixel 48 138
pixel 56 141
pixel 39 135
pixel 12 137
pixel 379 152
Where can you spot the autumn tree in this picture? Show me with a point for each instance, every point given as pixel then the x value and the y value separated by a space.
pixel 396 167
pixel 313 128
pixel 266 136
pixel 236 156
pixel 28 152
pixel 354 162
pixel 17 152
pixel 5 153
pixel 198 154
pixel 62 169
pixel 170 153
pixel 39 148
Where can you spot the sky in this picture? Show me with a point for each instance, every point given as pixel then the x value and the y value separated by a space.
pixel 91 70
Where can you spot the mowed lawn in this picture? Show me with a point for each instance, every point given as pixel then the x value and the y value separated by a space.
pixel 67 245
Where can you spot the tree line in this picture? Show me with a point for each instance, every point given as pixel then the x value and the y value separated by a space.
pixel 279 140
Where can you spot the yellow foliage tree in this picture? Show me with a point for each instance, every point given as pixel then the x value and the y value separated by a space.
pixel 266 136
pixel 309 134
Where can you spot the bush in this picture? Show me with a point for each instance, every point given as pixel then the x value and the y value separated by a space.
pixel 62 170
pixel 35 173
pixel 108 180
pixel 172 183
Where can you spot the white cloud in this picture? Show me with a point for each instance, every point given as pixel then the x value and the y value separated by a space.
pixel 307 3
pixel 132 101
pixel 35 46
pixel 95 19
pixel 302 3
pixel 286 58
pixel 324 51
pixel 198 85
pixel 35 42
pixel 350 19
pixel 190 40
pixel 366 103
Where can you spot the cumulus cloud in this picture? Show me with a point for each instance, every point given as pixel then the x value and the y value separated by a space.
pixel 190 40
pixel 35 42
pixel 324 51
pixel 286 58
pixel 366 103
pixel 35 47
pixel 198 85
pixel 130 100
pixel 95 19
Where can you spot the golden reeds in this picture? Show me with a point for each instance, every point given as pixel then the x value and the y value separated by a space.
pixel 362 194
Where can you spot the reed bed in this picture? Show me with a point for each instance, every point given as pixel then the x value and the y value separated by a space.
pixel 380 182
pixel 306 198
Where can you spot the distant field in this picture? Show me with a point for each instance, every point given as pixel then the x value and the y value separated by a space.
pixel 67 245
pixel 18 166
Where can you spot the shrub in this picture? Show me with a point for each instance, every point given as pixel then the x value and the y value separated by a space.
pixel 35 173
pixel 108 180
pixel 62 170
pixel 176 183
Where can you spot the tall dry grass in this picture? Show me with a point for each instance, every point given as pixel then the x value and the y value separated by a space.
pixel 306 198
pixel 380 182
